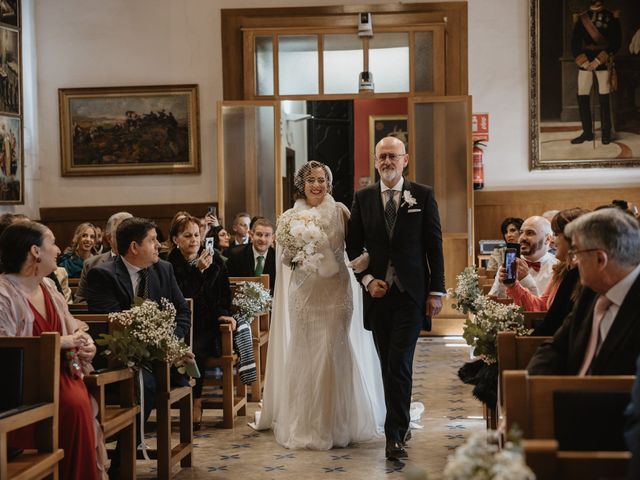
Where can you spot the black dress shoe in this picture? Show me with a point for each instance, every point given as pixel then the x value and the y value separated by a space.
pixel 395 451
pixel 606 138
pixel 585 137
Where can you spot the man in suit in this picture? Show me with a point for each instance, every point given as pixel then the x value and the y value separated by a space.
pixel 398 224
pixel 256 257
pixel 601 335
pixel 138 273
pixel 94 261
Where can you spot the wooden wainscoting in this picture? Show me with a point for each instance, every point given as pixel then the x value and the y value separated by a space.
pixel 493 207
pixel 63 220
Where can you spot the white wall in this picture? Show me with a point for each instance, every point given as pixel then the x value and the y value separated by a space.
pixel 85 43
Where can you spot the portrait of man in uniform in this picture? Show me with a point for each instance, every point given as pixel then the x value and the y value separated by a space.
pixel 585 83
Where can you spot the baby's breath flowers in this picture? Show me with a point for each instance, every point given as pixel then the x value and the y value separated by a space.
pixel 480 458
pixel 467 291
pixel 145 333
pixel 251 298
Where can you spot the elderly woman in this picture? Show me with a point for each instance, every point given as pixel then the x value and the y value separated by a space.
pixel 30 305
pixel 202 277
pixel 80 249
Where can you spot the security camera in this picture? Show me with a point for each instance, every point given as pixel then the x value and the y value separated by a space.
pixel 365 25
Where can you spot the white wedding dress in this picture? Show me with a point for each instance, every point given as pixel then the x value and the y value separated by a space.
pixel 323 386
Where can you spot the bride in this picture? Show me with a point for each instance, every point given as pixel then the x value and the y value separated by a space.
pixel 323 386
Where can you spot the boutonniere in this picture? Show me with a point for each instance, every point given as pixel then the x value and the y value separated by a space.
pixel 408 199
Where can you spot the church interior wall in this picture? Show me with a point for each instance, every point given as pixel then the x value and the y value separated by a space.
pixel 89 43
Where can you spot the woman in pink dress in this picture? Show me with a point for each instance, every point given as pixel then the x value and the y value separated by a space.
pixel 29 305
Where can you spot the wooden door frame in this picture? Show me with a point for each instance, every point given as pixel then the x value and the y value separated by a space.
pixel 233 21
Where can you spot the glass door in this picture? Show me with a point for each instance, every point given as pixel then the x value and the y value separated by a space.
pixel 440 156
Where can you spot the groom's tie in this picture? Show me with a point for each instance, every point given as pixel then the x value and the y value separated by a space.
pixel 390 211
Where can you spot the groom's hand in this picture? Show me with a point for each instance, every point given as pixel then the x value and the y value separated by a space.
pixel 434 305
pixel 377 288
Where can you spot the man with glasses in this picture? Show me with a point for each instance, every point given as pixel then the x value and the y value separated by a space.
pixel 601 335
pixel 398 224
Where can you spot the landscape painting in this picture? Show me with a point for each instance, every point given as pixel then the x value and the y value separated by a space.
pixel 129 130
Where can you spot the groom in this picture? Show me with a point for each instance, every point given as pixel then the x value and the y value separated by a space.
pixel 397 222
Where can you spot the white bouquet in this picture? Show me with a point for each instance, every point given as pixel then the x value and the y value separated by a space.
pixel 480 458
pixel 304 243
pixel 145 334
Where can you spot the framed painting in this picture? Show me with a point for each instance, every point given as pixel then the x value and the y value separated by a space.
pixel 381 126
pixel 10 67
pixel 11 164
pixel 10 12
pixel 584 113
pixel 129 130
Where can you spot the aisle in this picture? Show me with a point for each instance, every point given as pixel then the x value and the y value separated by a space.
pixel 451 414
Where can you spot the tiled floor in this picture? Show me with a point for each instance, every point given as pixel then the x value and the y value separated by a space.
pixel 451 414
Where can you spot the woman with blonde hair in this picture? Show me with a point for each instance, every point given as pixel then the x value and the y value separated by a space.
pixel 81 248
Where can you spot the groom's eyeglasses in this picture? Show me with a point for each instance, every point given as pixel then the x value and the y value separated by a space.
pixel 391 156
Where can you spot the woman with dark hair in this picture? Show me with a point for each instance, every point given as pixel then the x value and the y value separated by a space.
pixel 221 239
pixel 30 305
pixel 202 277
pixel 323 384
pixel 81 248
pixel 510 229
pixel 541 303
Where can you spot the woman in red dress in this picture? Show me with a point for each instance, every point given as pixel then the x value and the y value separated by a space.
pixel 30 305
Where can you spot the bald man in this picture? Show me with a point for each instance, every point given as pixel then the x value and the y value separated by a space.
pixel 535 265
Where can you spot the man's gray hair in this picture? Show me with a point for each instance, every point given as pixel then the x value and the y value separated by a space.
pixel 115 219
pixel 611 230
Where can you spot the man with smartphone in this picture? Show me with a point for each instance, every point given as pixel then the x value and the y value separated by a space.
pixel 533 268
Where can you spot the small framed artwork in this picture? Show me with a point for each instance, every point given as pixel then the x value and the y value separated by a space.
pixel 9 71
pixel 129 130
pixel 10 12
pixel 381 126
pixel 11 164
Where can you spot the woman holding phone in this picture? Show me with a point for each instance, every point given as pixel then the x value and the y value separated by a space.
pixel 202 276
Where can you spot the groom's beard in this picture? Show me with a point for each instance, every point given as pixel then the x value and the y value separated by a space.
pixel 388 175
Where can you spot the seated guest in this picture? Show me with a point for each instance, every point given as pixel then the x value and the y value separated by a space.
pixel 30 305
pixel 165 245
pixel 601 335
pixel 80 249
pixel 202 277
pixel 241 227
pixel 510 229
pixel 221 240
pixel 257 257
pixel 107 256
pixel 535 263
pixel 99 247
pixel 541 303
pixel 137 272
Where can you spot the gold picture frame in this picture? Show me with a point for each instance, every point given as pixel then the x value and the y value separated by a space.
pixel 553 111
pixel 381 126
pixel 141 130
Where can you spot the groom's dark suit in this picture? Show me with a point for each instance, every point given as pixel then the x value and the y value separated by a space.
pixel 415 251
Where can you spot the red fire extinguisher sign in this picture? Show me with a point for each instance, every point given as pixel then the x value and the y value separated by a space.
pixel 480 127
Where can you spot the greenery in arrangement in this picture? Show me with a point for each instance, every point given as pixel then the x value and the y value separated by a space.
pixel 145 333
pixel 480 458
pixel 467 291
pixel 251 299
pixel 488 317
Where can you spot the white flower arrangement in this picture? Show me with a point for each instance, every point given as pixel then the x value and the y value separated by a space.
pixel 251 298
pixel 408 199
pixel 467 291
pixel 480 458
pixel 301 237
pixel 145 334
pixel 481 330
pixel 488 317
